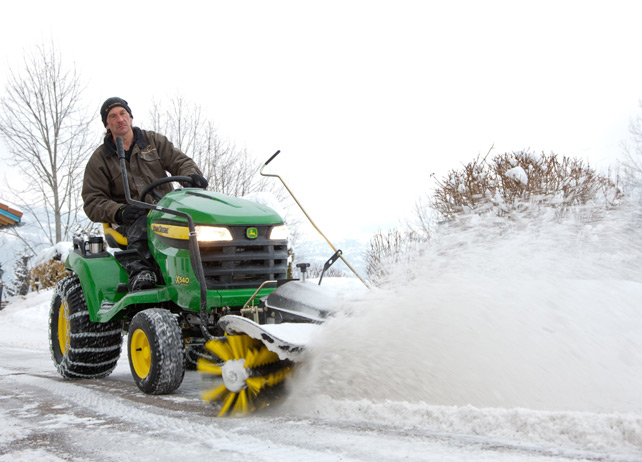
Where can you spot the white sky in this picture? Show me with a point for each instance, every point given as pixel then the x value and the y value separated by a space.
pixel 365 99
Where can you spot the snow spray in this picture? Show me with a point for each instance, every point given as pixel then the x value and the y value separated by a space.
pixel 542 313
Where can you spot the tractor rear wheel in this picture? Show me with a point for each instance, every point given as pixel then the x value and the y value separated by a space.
pixel 155 348
pixel 79 347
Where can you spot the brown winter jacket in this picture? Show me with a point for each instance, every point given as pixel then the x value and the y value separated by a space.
pixel 152 156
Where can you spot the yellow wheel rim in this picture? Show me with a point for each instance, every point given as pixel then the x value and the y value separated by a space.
pixel 140 353
pixel 63 327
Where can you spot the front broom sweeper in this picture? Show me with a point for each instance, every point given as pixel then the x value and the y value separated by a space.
pixel 223 299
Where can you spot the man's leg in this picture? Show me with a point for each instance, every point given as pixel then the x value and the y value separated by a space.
pixel 141 272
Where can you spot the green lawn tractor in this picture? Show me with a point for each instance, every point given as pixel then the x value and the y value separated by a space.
pixel 223 303
pixel 215 256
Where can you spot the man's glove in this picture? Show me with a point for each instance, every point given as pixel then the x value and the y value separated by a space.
pixel 198 181
pixel 128 214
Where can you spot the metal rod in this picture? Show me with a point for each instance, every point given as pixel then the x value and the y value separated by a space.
pixel 195 253
pixel 254 309
pixel 309 218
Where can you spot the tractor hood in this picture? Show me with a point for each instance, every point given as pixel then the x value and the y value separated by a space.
pixel 211 208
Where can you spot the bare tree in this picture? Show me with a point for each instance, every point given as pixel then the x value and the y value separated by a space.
pixel 45 126
pixel 630 169
pixel 633 151
pixel 228 169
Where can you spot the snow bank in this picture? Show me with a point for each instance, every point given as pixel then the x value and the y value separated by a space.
pixel 24 321
pixel 613 434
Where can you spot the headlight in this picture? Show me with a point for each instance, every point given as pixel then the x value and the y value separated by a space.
pixel 279 233
pixel 203 233
pixel 212 234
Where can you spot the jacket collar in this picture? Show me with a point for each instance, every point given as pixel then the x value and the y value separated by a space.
pixel 110 146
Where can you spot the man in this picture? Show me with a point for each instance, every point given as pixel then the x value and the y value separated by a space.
pixel 149 156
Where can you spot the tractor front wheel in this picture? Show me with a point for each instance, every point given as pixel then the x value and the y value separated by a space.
pixel 155 350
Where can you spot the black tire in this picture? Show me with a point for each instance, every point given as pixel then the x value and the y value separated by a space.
pixel 80 348
pixel 155 350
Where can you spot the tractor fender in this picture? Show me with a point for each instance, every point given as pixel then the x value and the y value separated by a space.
pixel 99 276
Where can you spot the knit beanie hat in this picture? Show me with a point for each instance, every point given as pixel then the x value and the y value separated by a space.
pixel 111 103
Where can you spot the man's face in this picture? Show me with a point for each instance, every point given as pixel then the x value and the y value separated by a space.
pixel 119 121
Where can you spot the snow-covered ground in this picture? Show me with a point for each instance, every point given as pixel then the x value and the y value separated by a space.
pixel 522 347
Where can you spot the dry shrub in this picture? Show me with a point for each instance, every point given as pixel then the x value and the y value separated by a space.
pixel 46 275
pixel 515 182
pixel 390 249
pixel 316 268
pixel 504 189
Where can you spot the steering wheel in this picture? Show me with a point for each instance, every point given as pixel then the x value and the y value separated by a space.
pixel 168 179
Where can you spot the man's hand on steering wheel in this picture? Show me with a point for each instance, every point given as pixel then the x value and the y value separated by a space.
pixel 193 180
pixel 198 181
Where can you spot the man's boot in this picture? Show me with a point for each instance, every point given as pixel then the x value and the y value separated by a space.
pixel 143 280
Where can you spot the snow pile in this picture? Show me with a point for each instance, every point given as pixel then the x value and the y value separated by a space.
pixel 60 251
pixel 518 174
pixel 24 321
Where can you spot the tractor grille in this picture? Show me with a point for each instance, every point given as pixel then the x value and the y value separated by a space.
pixel 244 262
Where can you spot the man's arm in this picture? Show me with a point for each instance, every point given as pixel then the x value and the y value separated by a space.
pixel 174 161
pixel 98 205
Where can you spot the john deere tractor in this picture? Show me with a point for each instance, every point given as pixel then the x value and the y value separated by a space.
pixel 216 258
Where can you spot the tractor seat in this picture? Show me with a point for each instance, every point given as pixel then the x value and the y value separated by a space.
pixel 114 239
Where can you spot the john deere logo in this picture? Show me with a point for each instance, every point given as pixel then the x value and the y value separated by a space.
pixel 252 233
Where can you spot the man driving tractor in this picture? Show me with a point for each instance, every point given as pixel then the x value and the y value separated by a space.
pixel 149 157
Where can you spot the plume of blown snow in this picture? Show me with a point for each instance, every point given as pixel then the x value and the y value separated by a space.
pixel 542 313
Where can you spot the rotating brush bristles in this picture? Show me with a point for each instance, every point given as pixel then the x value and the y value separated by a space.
pixel 247 368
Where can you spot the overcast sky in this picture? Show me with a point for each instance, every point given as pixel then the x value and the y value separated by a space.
pixel 365 99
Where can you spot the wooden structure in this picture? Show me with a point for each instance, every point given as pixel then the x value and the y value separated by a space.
pixel 9 216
